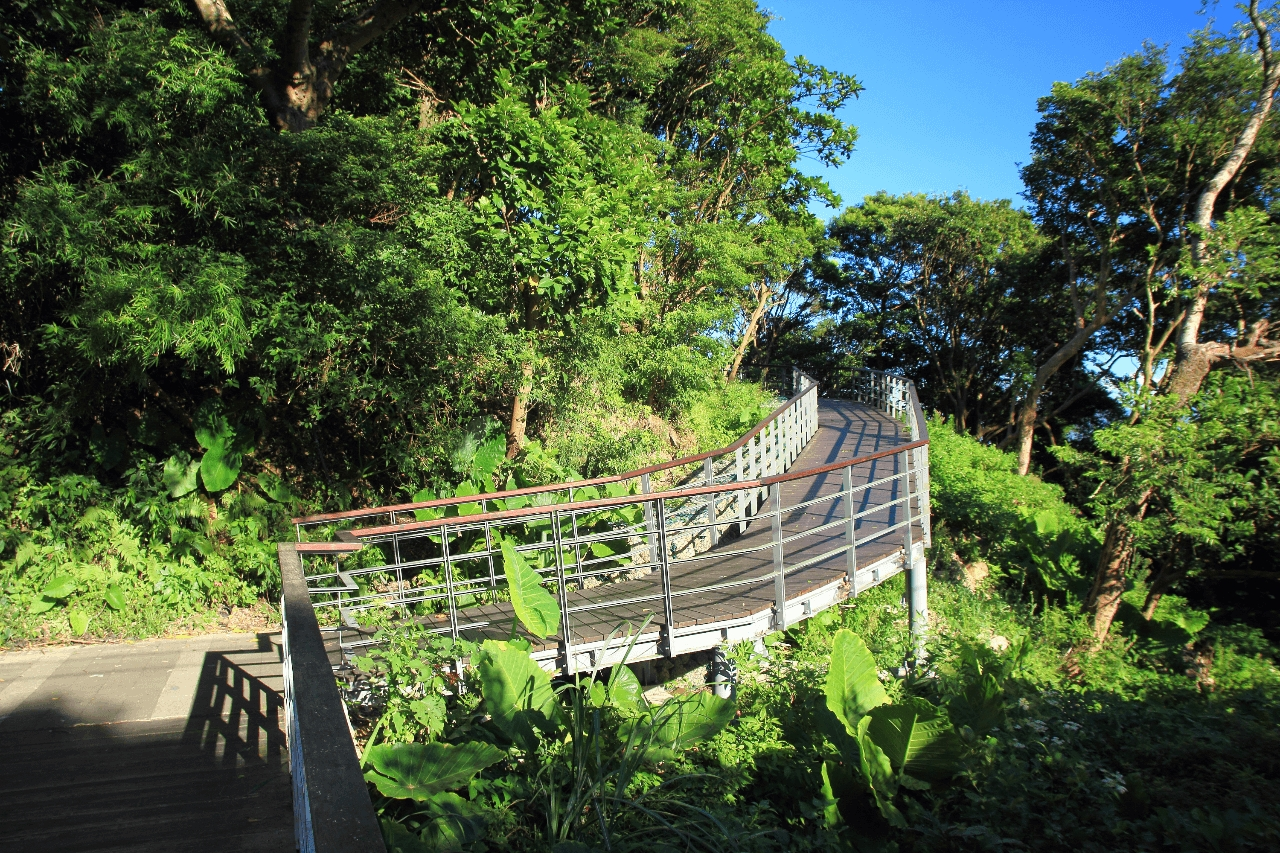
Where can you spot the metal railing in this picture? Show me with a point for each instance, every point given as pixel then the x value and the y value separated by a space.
pixel 615 545
pixel 632 550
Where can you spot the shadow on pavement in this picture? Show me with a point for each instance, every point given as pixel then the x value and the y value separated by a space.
pixel 215 780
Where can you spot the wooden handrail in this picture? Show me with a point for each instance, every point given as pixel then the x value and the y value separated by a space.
pixel 556 487
pixel 609 503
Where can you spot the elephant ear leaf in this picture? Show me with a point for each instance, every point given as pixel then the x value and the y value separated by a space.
pixel 223 453
pixel 418 771
pixel 517 692
pixel 536 608
pixel 678 724
pixel 625 692
pixel 877 771
pixel 853 688
pixel 180 475
pixel 919 741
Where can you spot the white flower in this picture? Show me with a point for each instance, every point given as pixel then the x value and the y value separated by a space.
pixel 1114 781
pixel 1017 744
pixel 1024 704
pixel 1071 726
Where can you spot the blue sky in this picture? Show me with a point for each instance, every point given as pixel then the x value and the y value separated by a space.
pixel 951 87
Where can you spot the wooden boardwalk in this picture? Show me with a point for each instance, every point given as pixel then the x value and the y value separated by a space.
pixel 163 745
pixel 846 430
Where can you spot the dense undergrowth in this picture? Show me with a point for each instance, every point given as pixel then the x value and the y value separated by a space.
pixel 1015 734
pixel 145 546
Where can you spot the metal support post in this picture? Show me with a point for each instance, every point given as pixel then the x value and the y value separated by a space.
pixel 709 477
pixel 668 608
pixel 740 496
pixel 850 531
pixel 562 594
pixel 448 581
pixel 650 523
pixel 779 578
pixel 917 595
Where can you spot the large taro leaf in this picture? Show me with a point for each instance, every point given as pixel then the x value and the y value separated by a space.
pixel 918 740
pixel 678 724
pixel 625 692
pixel 223 451
pixel 400 840
pixel 877 771
pixel 489 457
pixel 517 693
pixel 456 824
pixel 180 475
pixel 853 687
pixel 536 608
pixel 416 771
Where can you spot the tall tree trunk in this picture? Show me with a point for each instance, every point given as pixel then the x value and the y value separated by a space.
pixel 1194 359
pixel 763 296
pixel 295 89
pixel 519 422
pixel 1113 566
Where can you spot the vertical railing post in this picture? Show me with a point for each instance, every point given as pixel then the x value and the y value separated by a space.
pixel 917 595
pixel 779 578
pixel 740 496
pixel 668 607
pixel 562 593
pixel 650 522
pixel 709 478
pixel 448 581
pixel 850 531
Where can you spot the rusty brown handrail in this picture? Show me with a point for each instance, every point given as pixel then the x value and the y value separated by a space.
pixel 555 487
pixel 607 503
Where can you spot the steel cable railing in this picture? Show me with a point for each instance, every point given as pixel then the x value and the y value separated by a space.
pixel 645 547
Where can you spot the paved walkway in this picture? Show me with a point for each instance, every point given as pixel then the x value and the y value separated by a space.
pixel 164 745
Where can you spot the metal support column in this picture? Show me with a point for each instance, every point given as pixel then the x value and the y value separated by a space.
pixel 779 578
pixel 668 609
pixel 709 478
pixel 917 589
pixel 850 531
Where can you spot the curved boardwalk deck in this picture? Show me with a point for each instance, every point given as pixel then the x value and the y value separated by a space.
pixel 703 620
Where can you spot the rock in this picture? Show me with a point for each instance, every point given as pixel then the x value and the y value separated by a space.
pixel 998 643
pixel 975 574
pixel 657 695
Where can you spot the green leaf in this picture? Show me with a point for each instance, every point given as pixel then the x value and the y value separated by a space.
pixel 831 803
pixel 536 608
pixel 457 823
pixel 41 605
pixel 59 587
pixel 490 456
pixel 416 771
pixel 212 429
pixel 79 621
pixel 517 692
pixel 678 724
pixel 877 770
pixel 114 597
pixel 400 840
pixel 219 468
pixel 180 475
pixel 980 706
pixel 917 739
pixel 625 692
pixel 274 488
pixel 465 490
pixel 853 688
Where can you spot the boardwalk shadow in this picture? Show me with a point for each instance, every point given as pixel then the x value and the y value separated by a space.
pixel 214 780
pixel 237 715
